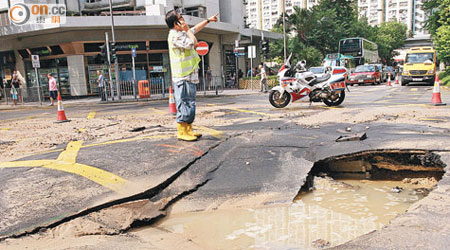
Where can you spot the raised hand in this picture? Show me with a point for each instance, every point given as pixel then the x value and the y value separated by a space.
pixel 214 18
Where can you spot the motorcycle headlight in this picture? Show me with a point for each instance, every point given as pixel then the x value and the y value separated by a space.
pixel 431 71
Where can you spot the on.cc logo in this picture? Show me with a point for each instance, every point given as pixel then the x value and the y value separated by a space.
pixel 19 14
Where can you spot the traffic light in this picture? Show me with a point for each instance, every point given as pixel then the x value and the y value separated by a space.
pixel 113 48
pixel 102 58
pixel 265 47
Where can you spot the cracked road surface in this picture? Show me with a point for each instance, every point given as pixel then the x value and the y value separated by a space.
pixel 248 149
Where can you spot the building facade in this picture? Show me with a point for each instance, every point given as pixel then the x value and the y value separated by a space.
pixel 69 50
pixel 264 14
pixel 409 12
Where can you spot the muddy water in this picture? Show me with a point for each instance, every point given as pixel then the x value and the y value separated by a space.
pixel 334 213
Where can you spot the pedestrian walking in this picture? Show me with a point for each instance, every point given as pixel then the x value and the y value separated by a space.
pixel 14 94
pixel 263 82
pixel 184 62
pixel 15 81
pixel 208 76
pixel 52 88
pixel 101 85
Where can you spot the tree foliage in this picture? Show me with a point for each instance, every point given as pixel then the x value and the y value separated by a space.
pixel 315 32
pixel 390 36
pixel 440 31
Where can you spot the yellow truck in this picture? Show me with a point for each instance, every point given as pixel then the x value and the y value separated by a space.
pixel 420 65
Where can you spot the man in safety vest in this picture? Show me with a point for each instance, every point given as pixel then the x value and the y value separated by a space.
pixel 184 62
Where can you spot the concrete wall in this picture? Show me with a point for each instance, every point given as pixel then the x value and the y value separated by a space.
pixel 215 53
pixel 77 75
pixel 232 12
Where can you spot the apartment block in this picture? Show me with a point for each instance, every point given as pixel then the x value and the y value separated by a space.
pixel 264 14
pixel 409 12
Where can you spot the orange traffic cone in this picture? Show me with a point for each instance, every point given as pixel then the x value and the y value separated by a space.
pixel 389 80
pixel 61 114
pixel 396 80
pixel 172 107
pixel 436 99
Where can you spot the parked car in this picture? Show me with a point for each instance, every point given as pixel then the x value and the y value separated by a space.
pixel 365 74
pixel 389 69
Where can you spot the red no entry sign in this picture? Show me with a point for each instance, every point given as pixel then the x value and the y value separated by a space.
pixel 202 48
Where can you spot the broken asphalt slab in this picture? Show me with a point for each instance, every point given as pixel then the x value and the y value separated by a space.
pixel 260 157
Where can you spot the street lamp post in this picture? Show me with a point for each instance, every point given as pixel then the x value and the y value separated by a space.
pixel 284 30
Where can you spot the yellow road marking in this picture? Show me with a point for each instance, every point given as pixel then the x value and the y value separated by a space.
pixel 432 119
pixel 158 111
pixel 309 138
pixel 326 107
pixel 91 115
pixel 249 111
pixel 130 140
pixel 215 133
pixel 82 129
pixel 4 129
pixel 414 89
pixel 66 162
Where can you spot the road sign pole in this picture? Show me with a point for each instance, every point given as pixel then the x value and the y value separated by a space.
pixel 202 50
pixel 133 55
pixel 251 72
pixel 134 77
pixel 203 73
pixel 38 85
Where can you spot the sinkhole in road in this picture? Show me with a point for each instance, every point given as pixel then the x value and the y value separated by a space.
pixel 343 197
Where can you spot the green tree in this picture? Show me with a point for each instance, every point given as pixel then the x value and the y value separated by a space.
pixel 432 7
pixel 442 41
pixel 439 26
pixel 391 36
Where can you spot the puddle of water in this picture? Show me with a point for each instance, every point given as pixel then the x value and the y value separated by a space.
pixel 334 213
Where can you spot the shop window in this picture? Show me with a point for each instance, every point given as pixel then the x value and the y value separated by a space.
pixel 159 45
pixel 196 11
pixel 56 50
pixel 24 53
pixel 92 47
pixel 41 51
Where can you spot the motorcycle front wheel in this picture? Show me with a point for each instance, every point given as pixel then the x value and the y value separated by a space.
pixel 335 102
pixel 279 100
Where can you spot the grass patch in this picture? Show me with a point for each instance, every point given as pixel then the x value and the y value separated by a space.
pixel 444 76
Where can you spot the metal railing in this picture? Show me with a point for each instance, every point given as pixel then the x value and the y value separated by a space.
pixel 158 87
pixel 24 95
pixel 148 89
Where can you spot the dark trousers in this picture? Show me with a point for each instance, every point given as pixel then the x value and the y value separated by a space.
pixel 101 93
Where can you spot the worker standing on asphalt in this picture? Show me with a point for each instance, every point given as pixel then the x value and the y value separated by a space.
pixel 184 62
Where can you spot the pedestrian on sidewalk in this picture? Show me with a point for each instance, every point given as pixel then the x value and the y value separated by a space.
pixel 101 85
pixel 184 62
pixel 263 82
pixel 14 94
pixel 16 82
pixel 52 88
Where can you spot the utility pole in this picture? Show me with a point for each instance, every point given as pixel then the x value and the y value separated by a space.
pixel 116 61
pixel 284 29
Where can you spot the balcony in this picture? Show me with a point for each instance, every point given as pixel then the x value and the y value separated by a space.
pixel 102 5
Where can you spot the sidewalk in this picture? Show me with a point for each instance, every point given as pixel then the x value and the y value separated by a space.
pixel 96 100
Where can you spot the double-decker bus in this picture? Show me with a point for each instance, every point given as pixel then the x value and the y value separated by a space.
pixel 362 50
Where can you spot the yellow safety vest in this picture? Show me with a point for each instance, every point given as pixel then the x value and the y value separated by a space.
pixel 182 61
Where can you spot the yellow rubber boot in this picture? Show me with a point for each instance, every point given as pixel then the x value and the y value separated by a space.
pixel 182 132
pixel 191 132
